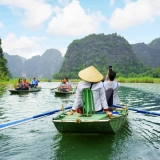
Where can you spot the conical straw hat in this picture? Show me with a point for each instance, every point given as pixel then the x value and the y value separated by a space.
pixel 90 74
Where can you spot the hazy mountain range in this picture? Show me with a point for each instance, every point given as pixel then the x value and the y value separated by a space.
pixel 98 50
pixel 38 66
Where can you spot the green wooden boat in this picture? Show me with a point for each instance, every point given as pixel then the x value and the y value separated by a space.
pixel 90 121
pixel 34 89
pixel 57 92
pixel 95 123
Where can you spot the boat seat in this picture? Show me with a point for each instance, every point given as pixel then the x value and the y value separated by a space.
pixel 87 102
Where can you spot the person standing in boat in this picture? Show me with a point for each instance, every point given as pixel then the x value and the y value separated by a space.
pixel 111 83
pixel 92 79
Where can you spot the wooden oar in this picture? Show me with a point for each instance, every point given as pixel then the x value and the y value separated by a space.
pixel 20 121
pixel 139 111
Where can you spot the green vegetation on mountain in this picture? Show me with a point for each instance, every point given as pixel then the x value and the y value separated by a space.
pixel 101 51
pixel 3 65
pixel 155 44
pixel 148 54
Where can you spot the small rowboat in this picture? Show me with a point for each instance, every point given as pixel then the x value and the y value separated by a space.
pixel 95 123
pixel 57 92
pixel 34 89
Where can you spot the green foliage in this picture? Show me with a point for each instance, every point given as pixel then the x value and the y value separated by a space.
pixel 3 67
pixel 136 80
pixel 147 54
pixel 155 44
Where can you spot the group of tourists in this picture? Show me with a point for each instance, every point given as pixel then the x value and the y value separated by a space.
pixel 65 85
pixel 103 88
pixel 24 85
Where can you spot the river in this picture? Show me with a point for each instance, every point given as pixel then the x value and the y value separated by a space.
pixel 139 139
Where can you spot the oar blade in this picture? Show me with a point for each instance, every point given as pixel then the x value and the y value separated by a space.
pixel 139 111
pixel 14 123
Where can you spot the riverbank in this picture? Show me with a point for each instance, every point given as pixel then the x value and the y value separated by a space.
pixel 13 82
pixel 125 80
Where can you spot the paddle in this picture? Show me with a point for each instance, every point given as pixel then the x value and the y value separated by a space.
pixel 54 88
pixel 139 111
pixel 20 121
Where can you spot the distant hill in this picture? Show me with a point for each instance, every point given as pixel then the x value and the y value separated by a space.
pixel 101 51
pixel 155 44
pixel 14 64
pixel 38 66
pixel 23 59
pixel 147 55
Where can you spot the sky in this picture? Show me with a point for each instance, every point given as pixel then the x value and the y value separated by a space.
pixel 30 27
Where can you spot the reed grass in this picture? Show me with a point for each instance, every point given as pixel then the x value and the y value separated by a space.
pixel 137 80
pixel 13 82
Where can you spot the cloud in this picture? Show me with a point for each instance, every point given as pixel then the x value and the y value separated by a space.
pixel 22 46
pixel 111 2
pixel 1 24
pixel 35 11
pixel 72 20
pixel 134 13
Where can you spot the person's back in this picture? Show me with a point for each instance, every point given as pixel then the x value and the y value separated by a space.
pixel 98 94
pixel 92 80
pixel 112 83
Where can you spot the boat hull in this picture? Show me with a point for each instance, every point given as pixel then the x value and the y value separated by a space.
pixel 57 92
pixel 37 89
pixel 94 125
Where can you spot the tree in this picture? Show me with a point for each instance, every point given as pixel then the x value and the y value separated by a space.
pixel 3 67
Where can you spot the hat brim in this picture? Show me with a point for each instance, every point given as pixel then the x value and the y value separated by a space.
pixel 90 74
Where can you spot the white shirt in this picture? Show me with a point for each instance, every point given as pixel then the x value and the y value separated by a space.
pixel 98 95
pixel 114 85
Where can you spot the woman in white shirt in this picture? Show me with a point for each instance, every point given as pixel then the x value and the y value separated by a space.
pixel 90 76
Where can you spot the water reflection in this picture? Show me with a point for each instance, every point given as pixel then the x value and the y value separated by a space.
pixel 139 139
pixel 98 146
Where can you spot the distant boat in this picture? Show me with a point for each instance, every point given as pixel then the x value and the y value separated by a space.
pixel 33 89
pixel 57 92
pixel 95 123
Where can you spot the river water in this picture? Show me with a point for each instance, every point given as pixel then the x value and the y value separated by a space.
pixel 139 139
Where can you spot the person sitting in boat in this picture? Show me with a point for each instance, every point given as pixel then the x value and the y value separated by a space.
pixel 111 83
pixel 65 87
pixel 34 83
pixel 69 82
pixel 61 84
pixel 92 79
pixel 19 84
pixel 25 85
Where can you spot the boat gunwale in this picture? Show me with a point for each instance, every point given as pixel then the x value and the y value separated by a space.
pixel 107 120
